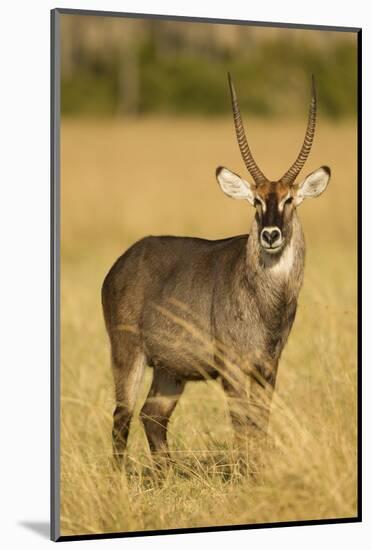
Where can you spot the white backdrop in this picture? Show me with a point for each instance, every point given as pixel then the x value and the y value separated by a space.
pixel 24 253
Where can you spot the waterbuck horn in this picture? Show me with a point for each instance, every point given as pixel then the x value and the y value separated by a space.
pixel 291 174
pixel 251 165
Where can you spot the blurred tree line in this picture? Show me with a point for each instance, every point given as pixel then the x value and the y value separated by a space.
pixel 113 66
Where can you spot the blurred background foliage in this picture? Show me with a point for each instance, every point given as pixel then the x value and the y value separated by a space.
pixel 114 66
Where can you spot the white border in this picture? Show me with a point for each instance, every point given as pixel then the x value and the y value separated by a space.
pixel 24 270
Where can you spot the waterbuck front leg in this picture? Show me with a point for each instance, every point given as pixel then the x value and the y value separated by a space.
pixel 163 396
pixel 250 412
pixel 237 399
pixel 262 384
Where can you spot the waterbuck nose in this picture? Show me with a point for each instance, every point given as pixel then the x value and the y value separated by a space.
pixel 270 235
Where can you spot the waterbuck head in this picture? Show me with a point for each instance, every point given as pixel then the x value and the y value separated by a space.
pixel 275 201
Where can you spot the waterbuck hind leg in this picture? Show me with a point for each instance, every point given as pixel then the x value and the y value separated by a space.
pixel 128 366
pixel 161 401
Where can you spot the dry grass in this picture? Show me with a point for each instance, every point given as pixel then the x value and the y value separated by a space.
pixel 123 180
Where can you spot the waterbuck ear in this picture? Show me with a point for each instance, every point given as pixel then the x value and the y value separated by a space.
pixel 313 185
pixel 234 186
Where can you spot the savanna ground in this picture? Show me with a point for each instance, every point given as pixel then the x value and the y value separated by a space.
pixel 122 180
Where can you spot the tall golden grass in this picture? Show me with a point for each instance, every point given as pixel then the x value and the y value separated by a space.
pixel 125 179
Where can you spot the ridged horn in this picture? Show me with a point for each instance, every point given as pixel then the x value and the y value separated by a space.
pixel 251 165
pixel 292 173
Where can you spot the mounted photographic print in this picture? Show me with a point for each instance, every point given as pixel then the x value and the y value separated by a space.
pixel 204 350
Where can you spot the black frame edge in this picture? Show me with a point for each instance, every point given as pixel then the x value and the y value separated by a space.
pixel 215 529
pixel 54 274
pixel 197 19
pixel 359 271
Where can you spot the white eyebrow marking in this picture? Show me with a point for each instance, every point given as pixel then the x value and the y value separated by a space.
pixel 282 203
pixel 262 202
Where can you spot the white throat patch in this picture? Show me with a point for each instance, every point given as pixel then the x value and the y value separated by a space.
pixel 284 265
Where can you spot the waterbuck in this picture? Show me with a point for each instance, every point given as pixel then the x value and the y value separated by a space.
pixel 196 309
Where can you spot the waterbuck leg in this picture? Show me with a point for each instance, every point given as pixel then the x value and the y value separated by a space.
pixel 128 367
pixel 157 409
pixel 237 400
pixel 263 380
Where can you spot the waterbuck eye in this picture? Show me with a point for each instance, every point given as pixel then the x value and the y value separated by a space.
pixel 289 200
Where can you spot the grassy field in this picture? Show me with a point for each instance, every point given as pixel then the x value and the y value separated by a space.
pixel 126 179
